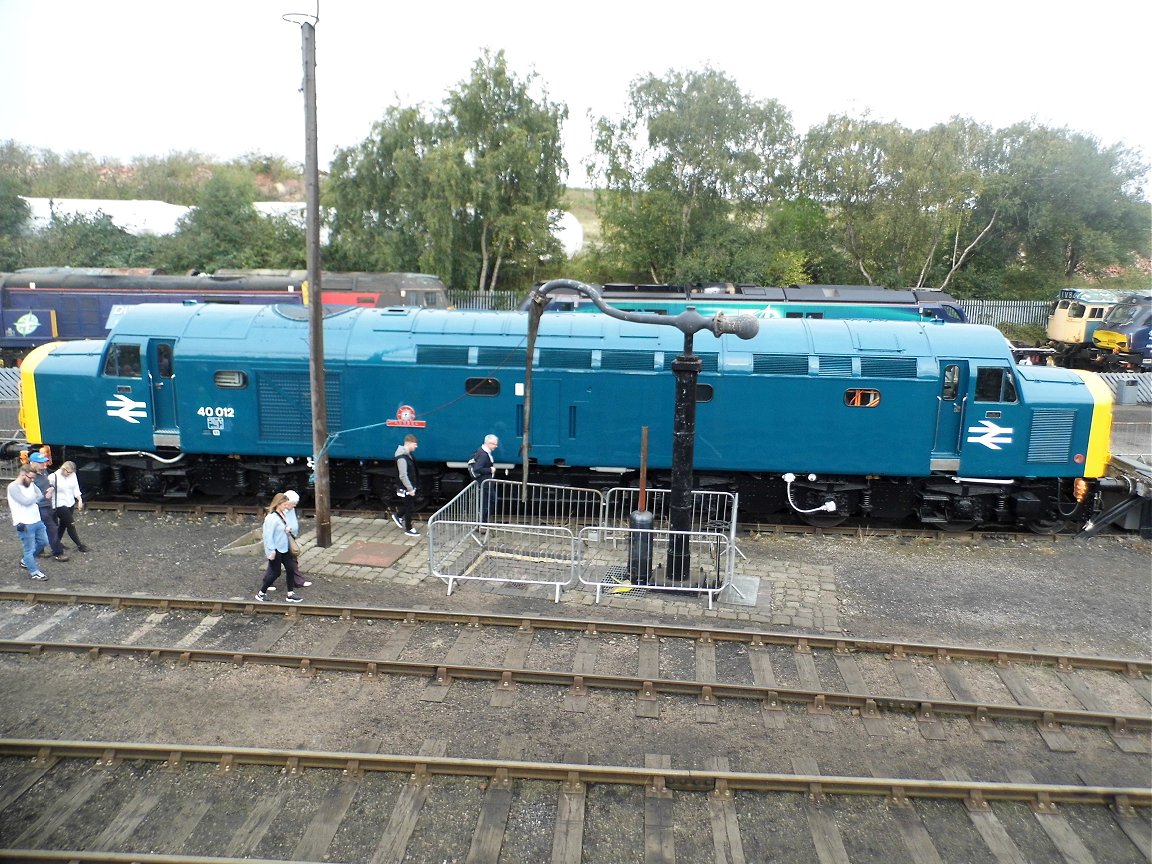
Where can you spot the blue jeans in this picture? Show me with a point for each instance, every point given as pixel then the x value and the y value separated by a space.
pixel 34 538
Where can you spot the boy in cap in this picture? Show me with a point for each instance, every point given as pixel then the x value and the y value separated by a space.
pixel 39 463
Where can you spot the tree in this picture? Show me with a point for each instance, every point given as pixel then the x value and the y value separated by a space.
pixel 903 202
pixel 687 171
pixel 464 191
pixel 1071 206
pixel 226 231
pixel 14 213
pixel 85 241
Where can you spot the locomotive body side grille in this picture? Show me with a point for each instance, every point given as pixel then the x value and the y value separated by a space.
pixel 835 366
pixel 442 355
pixel 779 364
pixel 502 358
pixel 565 358
pixel 1051 435
pixel 888 367
pixel 610 359
pixel 284 400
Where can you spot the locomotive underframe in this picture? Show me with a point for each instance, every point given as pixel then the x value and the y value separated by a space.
pixel 1042 505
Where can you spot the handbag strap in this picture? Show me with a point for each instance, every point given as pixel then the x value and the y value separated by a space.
pixel 285 521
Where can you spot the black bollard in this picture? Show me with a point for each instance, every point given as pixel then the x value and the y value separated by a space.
pixel 640 547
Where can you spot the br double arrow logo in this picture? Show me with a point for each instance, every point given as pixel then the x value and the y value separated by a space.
pixel 126 409
pixel 990 435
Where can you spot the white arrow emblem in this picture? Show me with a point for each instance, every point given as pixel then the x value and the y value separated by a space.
pixel 991 435
pixel 126 409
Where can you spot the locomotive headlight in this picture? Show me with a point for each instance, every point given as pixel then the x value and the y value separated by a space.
pixel 1080 489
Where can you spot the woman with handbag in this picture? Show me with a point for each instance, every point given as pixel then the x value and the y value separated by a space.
pixel 280 526
pixel 66 501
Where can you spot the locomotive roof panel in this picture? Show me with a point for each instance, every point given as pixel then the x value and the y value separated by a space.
pixel 275 330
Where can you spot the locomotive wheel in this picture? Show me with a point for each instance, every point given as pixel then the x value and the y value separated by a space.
pixel 1046 526
pixel 824 520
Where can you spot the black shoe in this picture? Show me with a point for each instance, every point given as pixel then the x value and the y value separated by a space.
pixel 261 596
pixel 81 548
pixel 22 564
pixel 293 597
pixel 60 557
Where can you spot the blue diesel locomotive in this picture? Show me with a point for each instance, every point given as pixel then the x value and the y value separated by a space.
pixel 825 418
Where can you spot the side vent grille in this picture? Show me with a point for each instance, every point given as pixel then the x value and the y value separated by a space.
pixel 442 355
pixel 779 364
pixel 627 360
pixel 1051 438
pixel 888 367
pixel 501 358
pixel 285 406
pixel 565 358
pixel 835 366
pixel 710 362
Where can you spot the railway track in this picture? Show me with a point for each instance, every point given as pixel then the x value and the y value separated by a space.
pixel 916 722
pixel 567 794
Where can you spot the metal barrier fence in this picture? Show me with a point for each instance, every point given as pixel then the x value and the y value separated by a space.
pixel 997 312
pixel 620 560
pixel 557 536
pixel 529 538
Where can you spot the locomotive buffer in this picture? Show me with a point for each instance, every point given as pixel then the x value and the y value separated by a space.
pixel 686 367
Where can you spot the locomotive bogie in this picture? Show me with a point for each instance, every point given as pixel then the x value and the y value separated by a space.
pixel 875 419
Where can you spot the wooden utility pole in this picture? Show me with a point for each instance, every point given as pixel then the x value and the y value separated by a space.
pixel 315 307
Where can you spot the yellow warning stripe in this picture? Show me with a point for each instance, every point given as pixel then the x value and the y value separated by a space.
pixel 1100 433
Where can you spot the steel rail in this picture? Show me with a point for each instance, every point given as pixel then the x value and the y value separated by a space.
pixel 111 753
pixel 801 643
pixel 67 855
pixel 644 688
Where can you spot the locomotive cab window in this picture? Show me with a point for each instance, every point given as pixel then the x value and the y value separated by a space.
pixel 123 361
pixel 482 387
pixel 995 384
pixel 951 383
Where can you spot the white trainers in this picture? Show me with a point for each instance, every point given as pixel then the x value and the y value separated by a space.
pixel 293 597
pixel 39 576
pixel 399 522
pixel 412 532
pixel 261 596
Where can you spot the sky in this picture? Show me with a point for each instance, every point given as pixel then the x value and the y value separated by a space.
pixel 129 78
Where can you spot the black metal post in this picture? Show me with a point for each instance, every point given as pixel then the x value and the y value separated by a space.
pixel 686 367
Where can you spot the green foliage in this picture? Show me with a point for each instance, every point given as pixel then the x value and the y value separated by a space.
pixel 468 191
pixel 85 241
pixel 226 231
pixel 683 170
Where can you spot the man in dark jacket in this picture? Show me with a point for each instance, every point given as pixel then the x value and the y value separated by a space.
pixel 484 469
pixel 406 485
pixel 39 463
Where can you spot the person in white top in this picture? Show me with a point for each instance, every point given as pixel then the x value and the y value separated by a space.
pixel 67 501
pixel 23 498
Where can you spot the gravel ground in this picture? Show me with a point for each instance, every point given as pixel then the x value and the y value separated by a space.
pixel 1080 597
pixel 1083 596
